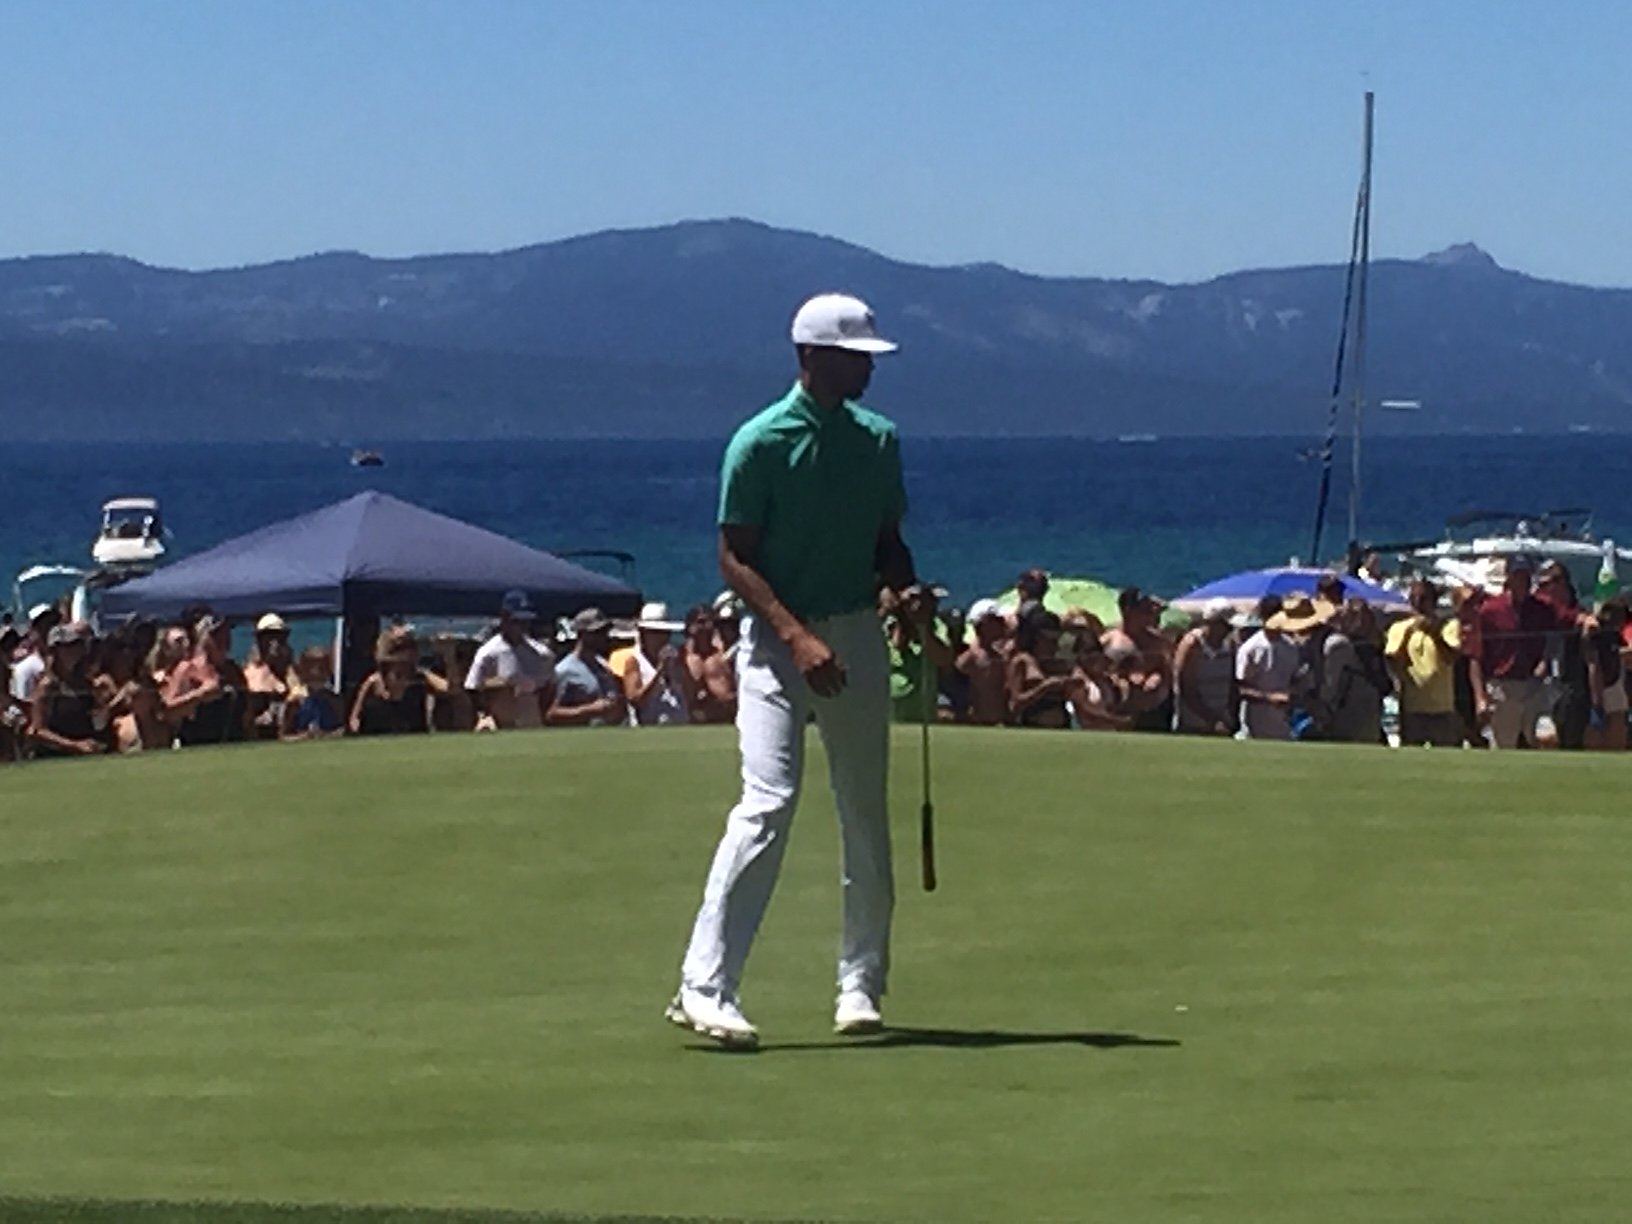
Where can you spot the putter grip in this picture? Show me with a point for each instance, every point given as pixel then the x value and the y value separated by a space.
pixel 926 829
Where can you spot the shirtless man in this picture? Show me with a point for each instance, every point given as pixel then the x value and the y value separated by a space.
pixel 713 683
pixel 983 663
pixel 1150 678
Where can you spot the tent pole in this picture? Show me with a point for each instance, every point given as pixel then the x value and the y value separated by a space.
pixel 339 650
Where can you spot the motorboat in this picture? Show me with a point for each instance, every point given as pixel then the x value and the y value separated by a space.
pixel 367 458
pixel 132 536
pixel 1479 546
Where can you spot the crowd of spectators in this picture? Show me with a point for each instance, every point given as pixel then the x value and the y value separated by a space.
pixel 65 691
pixel 1527 667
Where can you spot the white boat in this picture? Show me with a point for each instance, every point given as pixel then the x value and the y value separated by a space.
pixel 1481 557
pixel 46 584
pixel 132 535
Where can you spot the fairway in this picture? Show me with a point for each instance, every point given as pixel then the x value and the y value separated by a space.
pixel 1162 980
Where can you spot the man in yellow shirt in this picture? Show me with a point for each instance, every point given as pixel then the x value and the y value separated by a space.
pixel 1423 649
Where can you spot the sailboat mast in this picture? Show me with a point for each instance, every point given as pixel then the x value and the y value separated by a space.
pixel 1360 339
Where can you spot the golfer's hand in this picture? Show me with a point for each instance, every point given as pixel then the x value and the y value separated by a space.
pixel 819 665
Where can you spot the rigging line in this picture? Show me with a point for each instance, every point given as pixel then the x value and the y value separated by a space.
pixel 1330 446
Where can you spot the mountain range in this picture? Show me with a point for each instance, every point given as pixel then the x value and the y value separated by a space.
pixel 681 330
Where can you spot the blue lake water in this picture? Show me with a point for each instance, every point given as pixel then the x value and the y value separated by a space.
pixel 1167 515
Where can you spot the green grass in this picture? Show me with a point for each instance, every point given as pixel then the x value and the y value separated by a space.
pixel 1162 981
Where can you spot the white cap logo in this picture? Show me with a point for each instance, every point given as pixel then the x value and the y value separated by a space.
pixel 836 320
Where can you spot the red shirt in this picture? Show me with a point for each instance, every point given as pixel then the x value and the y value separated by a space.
pixel 1513 640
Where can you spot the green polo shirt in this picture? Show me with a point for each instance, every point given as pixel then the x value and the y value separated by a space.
pixel 820 486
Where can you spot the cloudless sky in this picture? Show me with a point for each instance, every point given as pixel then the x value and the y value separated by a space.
pixel 1175 139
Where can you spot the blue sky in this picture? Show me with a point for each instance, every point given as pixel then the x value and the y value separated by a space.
pixel 1142 138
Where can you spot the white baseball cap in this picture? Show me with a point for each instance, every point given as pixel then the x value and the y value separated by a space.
pixel 837 320
pixel 981 609
pixel 1218 610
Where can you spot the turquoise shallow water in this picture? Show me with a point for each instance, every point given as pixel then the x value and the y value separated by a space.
pixel 1167 515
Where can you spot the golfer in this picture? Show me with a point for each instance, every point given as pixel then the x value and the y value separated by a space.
pixel 811 502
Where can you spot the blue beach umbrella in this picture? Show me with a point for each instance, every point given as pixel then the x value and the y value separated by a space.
pixel 1245 589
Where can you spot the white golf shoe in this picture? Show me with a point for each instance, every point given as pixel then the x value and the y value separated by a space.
pixel 713 1016
pixel 857 1015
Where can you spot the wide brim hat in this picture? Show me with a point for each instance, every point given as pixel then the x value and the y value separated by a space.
pixel 1300 615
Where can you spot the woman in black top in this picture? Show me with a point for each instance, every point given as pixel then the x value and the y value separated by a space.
pixel 398 696
pixel 67 720
pixel 1038 681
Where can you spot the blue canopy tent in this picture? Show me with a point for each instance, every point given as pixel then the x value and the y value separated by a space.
pixel 370 555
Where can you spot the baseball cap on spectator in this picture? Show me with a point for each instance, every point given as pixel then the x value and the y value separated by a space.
pixel 981 609
pixel 590 620
pixel 271 623
pixel 1216 611
pixel 517 606
pixel 1133 597
pixel 837 320
pixel 66 634
pixel 41 611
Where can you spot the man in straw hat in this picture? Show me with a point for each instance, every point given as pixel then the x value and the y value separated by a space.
pixel 810 511
pixel 1267 665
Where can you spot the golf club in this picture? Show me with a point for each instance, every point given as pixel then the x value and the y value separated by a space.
pixel 926 814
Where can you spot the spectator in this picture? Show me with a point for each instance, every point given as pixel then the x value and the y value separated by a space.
pixel 1353 678
pixel 1468 601
pixel 511 680
pixel 1144 657
pixel 1510 694
pixel 274 686
pixel 13 716
pixel 28 669
pixel 655 682
pixel 1265 666
pixel 1096 696
pixel 1423 649
pixel 1030 589
pixel 918 653
pixel 204 693
pixel 1607 660
pixel 1204 669
pixel 954 691
pixel 65 717
pixel 587 694
pixel 1566 657
pixel 317 716
pixel 1038 684
pixel 127 690
pixel 983 664
pixel 399 696
pixel 172 649
pixel 711 678
pixel 728 628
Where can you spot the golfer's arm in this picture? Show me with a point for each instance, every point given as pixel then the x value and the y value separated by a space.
pixel 892 559
pixel 739 553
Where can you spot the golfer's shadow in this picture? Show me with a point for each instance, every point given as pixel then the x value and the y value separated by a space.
pixel 957 1039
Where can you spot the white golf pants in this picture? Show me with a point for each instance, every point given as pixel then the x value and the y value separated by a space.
pixel 773 705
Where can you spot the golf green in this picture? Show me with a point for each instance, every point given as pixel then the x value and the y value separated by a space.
pixel 1162 980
